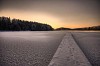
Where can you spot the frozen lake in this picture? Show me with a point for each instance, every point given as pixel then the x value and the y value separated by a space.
pixel 28 48
pixel 36 48
pixel 89 42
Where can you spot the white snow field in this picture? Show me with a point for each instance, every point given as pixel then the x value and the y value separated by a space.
pixel 50 48
pixel 89 42
pixel 28 48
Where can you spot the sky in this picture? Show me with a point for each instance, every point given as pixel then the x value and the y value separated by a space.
pixel 57 13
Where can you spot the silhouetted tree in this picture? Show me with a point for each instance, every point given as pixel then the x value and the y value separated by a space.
pixel 5 23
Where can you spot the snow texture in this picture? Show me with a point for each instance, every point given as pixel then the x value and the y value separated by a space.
pixel 69 54
pixel 28 48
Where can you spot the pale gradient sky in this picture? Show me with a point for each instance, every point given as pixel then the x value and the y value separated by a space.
pixel 57 13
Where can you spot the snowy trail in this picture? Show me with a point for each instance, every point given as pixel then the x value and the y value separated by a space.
pixel 69 54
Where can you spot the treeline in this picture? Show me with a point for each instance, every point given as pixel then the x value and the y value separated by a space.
pixel 85 28
pixel 89 28
pixel 7 24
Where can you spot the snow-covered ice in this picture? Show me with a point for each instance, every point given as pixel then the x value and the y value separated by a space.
pixel 89 42
pixel 28 48
pixel 49 48
pixel 69 54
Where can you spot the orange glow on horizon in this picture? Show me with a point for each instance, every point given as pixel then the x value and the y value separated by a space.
pixel 46 18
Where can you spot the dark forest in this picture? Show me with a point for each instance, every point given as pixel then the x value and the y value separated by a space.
pixel 7 24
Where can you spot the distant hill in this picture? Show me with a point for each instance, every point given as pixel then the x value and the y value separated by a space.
pixel 89 28
pixel 7 24
pixel 63 28
pixel 84 28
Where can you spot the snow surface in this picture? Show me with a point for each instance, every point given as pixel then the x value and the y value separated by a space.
pixel 49 48
pixel 89 42
pixel 69 54
pixel 28 48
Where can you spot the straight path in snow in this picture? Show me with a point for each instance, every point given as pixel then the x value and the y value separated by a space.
pixel 69 54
